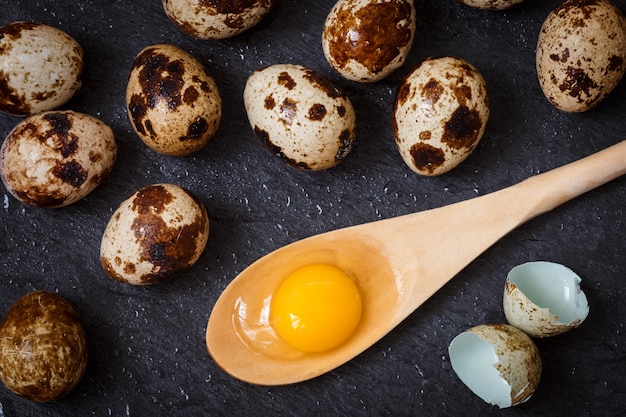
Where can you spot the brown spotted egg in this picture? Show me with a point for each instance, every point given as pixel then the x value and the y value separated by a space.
pixel 366 40
pixel 300 116
pixel 581 53
pixel 40 68
pixel 440 114
pixel 173 104
pixel 491 4
pixel 43 348
pixel 159 230
pixel 55 158
pixel 216 19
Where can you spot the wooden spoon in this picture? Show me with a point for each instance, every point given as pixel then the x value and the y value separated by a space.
pixel 398 264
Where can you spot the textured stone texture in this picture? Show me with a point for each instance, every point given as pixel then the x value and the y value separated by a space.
pixel 147 350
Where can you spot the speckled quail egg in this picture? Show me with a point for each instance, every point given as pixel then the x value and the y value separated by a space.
pixel 498 362
pixel 173 104
pixel 544 299
pixel 581 53
pixel 300 116
pixel 366 40
pixel 216 19
pixel 440 114
pixel 43 348
pixel 158 231
pixel 40 68
pixel 55 158
pixel 491 4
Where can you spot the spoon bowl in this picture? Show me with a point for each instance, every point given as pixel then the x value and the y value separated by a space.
pixel 398 263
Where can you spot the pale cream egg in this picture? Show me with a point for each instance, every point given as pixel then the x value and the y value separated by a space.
pixel 440 114
pixel 40 68
pixel 300 116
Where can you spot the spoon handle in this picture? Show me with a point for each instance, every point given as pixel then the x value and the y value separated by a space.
pixel 480 222
pixel 555 187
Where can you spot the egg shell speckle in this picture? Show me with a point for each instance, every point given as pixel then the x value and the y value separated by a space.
pixel 55 158
pixel 440 114
pixel 43 348
pixel 356 47
pixel 300 116
pixel 160 230
pixel 173 104
pixel 40 68
pixel 216 19
pixel 581 53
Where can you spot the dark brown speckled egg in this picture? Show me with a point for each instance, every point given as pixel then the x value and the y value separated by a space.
pixel 55 158
pixel 173 104
pixel 43 348
pixel 366 40
pixel 440 114
pixel 158 231
pixel 216 19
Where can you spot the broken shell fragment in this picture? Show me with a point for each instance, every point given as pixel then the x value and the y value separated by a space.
pixel 544 299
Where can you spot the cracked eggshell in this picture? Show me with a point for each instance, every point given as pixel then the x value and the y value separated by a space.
pixel 498 362
pixel 43 348
pixel 159 230
pixel 491 4
pixel 544 299
pixel 440 114
pixel 581 53
pixel 55 158
pixel 173 104
pixel 216 19
pixel 354 44
pixel 40 68
pixel 300 116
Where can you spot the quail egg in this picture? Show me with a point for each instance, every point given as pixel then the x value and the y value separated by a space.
pixel 216 19
pixel 43 348
pixel 158 231
pixel 55 158
pixel 173 104
pixel 40 68
pixel 498 362
pixel 366 40
pixel 491 4
pixel 544 299
pixel 300 116
pixel 581 53
pixel 440 114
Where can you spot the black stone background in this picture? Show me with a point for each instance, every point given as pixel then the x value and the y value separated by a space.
pixel 147 348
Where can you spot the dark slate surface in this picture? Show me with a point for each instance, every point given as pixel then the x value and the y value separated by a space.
pixel 147 350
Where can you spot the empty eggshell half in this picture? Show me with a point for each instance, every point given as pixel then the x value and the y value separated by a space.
pixel 544 299
pixel 498 362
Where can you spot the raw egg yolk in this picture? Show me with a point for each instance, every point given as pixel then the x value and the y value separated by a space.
pixel 316 308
